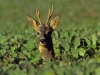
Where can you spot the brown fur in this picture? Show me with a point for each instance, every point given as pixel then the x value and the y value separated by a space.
pixel 44 32
pixel 45 53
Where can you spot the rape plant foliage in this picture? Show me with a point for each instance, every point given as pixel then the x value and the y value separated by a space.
pixel 77 49
pixel 76 41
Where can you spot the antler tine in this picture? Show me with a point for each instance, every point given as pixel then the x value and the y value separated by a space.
pixel 38 15
pixel 50 13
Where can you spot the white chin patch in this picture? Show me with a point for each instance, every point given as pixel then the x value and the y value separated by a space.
pixel 42 43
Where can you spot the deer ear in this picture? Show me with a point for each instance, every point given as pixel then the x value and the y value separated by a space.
pixel 54 22
pixel 32 22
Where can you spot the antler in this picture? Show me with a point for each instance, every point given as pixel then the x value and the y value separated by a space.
pixel 50 13
pixel 38 16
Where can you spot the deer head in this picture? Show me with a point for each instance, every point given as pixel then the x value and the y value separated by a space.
pixel 44 32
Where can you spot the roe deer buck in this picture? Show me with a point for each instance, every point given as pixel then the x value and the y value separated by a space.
pixel 44 32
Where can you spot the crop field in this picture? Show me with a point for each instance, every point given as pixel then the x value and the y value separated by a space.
pixel 76 40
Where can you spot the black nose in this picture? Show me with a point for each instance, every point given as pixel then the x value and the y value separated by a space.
pixel 42 40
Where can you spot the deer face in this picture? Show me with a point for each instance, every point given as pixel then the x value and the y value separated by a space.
pixel 43 34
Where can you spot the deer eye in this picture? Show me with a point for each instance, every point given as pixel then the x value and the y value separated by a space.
pixel 38 33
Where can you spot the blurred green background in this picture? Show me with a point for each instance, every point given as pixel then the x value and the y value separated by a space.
pixel 72 12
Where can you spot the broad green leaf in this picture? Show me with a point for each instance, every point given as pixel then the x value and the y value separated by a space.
pixel 97 71
pixel 97 58
pixel 98 39
pixel 91 66
pixel 81 51
pixel 5 61
pixel 77 42
pixel 49 72
pixel 30 44
pixel 74 53
pixel 88 41
pixel 94 39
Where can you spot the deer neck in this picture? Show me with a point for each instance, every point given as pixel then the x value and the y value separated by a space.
pixel 47 50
